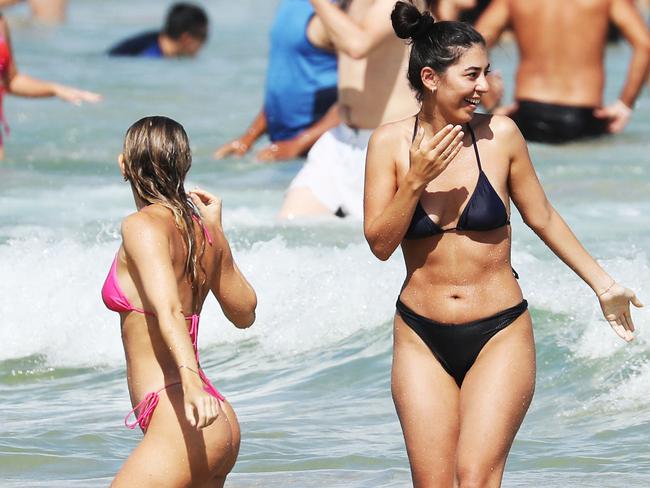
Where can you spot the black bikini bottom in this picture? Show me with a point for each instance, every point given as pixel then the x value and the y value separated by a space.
pixel 547 122
pixel 457 346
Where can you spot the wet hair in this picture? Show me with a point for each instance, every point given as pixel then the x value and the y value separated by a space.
pixel 157 157
pixel 436 45
pixel 186 18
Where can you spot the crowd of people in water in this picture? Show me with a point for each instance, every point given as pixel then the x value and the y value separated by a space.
pixel 402 124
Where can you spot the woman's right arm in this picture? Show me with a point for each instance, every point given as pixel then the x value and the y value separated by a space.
pixel 234 293
pixel 240 146
pixel 388 208
pixel 147 248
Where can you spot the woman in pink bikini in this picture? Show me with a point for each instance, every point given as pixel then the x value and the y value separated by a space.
pixel 16 83
pixel 171 257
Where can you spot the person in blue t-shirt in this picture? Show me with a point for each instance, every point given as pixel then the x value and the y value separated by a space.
pixel 184 34
pixel 300 94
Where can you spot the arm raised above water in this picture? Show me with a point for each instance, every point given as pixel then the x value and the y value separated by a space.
pixel 229 286
pixel 388 208
pixel 356 38
pixel 528 196
pixel 301 142
pixel 22 85
pixel 240 146
pixel 494 21
pixel 627 18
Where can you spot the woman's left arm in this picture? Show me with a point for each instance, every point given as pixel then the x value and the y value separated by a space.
pixel 537 212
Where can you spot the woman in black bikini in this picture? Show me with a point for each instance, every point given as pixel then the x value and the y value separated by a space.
pixel 440 184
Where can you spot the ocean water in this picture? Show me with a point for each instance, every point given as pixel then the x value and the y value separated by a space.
pixel 310 380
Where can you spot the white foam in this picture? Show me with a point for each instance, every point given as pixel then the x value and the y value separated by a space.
pixel 549 285
pixel 308 297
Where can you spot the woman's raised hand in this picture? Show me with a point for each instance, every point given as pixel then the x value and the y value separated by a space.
pixel 430 155
pixel 209 207
pixel 615 304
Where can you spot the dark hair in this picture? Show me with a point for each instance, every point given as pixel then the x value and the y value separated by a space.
pixel 436 45
pixel 157 157
pixel 186 17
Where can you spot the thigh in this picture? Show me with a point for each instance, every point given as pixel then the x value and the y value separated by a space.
pixel 300 201
pixel 494 398
pixel 427 400
pixel 175 454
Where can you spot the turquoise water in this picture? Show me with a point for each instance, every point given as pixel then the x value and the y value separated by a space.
pixel 310 380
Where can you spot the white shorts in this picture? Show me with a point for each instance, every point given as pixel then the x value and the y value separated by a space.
pixel 335 170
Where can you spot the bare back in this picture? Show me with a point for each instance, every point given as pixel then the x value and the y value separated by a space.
pixel 561 46
pixel 149 362
pixel 374 90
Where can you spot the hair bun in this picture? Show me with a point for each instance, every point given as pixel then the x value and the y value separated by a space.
pixel 424 25
pixel 409 23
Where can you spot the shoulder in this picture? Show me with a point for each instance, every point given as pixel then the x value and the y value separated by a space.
pixel 503 126
pixel 134 45
pixel 393 133
pixel 501 132
pixel 143 229
pixel 501 129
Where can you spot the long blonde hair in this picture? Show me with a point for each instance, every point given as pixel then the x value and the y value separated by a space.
pixel 157 157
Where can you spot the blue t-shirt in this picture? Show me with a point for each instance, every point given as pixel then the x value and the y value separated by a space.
pixel 301 78
pixel 145 45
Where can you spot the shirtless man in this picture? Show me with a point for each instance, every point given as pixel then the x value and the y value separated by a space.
pixel 372 90
pixel 50 11
pixel 561 76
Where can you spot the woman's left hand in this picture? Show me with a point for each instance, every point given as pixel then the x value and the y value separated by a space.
pixel 209 207
pixel 615 304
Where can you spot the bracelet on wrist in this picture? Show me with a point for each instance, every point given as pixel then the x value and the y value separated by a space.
pixel 189 369
pixel 606 289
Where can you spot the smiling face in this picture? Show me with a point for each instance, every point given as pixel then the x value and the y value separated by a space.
pixel 459 89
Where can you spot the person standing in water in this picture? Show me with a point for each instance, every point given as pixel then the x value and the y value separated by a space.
pixel 300 94
pixel 439 184
pixel 371 92
pixel 561 74
pixel 170 259
pixel 19 84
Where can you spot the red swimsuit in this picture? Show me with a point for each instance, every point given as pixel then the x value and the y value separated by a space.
pixel 5 61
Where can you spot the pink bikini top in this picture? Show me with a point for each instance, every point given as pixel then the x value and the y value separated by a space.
pixel 114 297
pixel 115 300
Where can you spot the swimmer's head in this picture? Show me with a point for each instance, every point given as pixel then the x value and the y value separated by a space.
pixel 155 160
pixel 436 46
pixel 187 25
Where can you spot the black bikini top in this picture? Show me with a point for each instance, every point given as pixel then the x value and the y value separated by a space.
pixel 484 210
